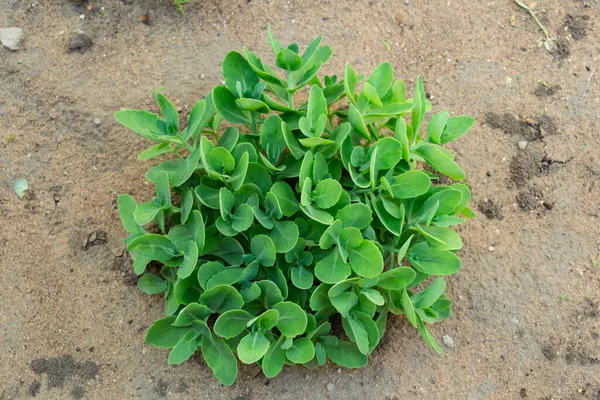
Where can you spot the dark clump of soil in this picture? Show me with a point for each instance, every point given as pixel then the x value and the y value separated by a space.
pixel 34 388
pixel 563 49
pixel 80 42
pixel 529 199
pixel 63 368
pixel 531 130
pixel 124 264
pixel 490 209
pixel 547 91
pixel 523 167
pixel 161 388
pixel 577 25
pixel 549 351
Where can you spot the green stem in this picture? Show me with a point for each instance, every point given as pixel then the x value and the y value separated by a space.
pixel 532 13
pixel 253 123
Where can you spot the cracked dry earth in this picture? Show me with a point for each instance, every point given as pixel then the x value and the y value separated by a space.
pixel 526 320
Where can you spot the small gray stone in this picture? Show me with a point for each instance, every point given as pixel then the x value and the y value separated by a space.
pixel 80 42
pixel 523 144
pixel 448 342
pixel 330 387
pixel 97 121
pixel 11 37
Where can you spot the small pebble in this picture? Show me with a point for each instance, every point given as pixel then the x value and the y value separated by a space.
pixel 97 121
pixel 201 76
pixel 491 248
pixel 522 144
pixel 11 37
pixel 448 341
pixel 330 387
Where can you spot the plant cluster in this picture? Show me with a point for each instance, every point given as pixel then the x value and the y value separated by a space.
pixel 278 218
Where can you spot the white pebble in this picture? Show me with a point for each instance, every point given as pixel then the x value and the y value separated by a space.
pixel 330 387
pixel 448 341
pixel 97 121
pixel 523 144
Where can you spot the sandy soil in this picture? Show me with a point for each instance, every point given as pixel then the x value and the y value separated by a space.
pixel 526 320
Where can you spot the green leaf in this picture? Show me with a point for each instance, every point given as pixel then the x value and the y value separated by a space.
pixel 288 60
pixel 409 184
pixel 292 143
pixel 199 116
pixel 127 206
pixel 455 128
pixel 332 269
pixel 357 333
pixel 381 78
pixel 320 216
pixel 196 225
pixel 191 313
pixel 343 302
pixel 440 161
pixel 163 335
pixel 154 247
pixel 222 298
pixel 140 263
pixel 342 286
pixel 220 359
pixel 229 138
pixel 430 340
pixel 284 235
pixel 350 237
pixel 397 278
pixel 237 71
pixel 292 319
pixel 433 261
pixel 374 296
pixel 169 113
pixel 427 297
pixel 442 238
pixel 271 137
pixel 152 284
pixel 357 122
pixel 302 351
pixel 331 235
pixel 266 320
pixel 389 152
pixel 275 45
pixel 436 126
pixel 370 94
pixel 185 169
pixel 408 308
pixel 366 260
pixel 270 294
pixel 190 258
pixel 146 212
pixel 141 122
pixel 350 83
pixel 231 323
pixel 263 249
pixel 242 218
pixel 187 201
pixel 230 250
pixel 226 106
pixel 357 215
pixel 273 359
pixel 418 112
pixel 228 276
pixel 220 160
pixel 301 277
pixel 346 354
pixel 155 151
pixel 286 198
pixel 252 105
pixel 327 193
pixel 185 348
pixel 239 174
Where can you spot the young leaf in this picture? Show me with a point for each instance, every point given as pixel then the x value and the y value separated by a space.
pixel 343 302
pixel 220 359
pixel 273 359
pixel 436 126
pixel 163 335
pixel 192 312
pixel 292 319
pixel 222 298
pixel 357 333
pixel 327 193
pixel 127 206
pixel 226 106
pixel 433 261
pixel 366 260
pixel 396 279
pixel 190 258
pixel 455 128
pixel 427 297
pixel 236 69
pixel 381 78
pixel 301 351
pixel 346 354
pixel 357 215
pixel 263 249
pixel 231 323
pixel 332 269
pixel 439 161
pixel 185 348
pixel 284 235
pixel 169 113
pixel 152 284
pixel 301 277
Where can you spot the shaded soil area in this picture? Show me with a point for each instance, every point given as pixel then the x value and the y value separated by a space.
pixel 526 312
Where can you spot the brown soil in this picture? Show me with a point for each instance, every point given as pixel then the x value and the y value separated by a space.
pixel 526 318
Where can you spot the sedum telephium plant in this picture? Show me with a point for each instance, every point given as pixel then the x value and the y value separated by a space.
pixel 290 215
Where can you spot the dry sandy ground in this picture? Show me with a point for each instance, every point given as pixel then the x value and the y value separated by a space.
pixel 526 320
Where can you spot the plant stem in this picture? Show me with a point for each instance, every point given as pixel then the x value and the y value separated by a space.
pixel 532 13
pixel 253 123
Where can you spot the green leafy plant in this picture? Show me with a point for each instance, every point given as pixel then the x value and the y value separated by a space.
pixel 278 218
pixel 179 5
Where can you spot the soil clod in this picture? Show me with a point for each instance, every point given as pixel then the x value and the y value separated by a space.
pixel 95 238
pixel 577 25
pixel 490 209
pixel 80 42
